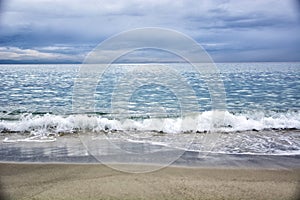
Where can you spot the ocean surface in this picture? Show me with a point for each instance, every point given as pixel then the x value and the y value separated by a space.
pixel 261 117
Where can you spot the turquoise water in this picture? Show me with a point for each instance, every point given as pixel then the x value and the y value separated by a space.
pixel 249 87
pixel 262 104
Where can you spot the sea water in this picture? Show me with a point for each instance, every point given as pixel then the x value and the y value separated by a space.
pixel 261 114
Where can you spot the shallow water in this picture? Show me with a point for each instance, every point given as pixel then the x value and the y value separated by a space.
pixel 70 149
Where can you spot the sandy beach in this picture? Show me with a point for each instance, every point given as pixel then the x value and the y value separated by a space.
pixel 95 181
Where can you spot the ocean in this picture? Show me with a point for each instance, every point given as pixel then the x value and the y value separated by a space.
pixel 261 115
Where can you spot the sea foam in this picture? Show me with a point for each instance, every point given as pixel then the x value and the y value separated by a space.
pixel 201 122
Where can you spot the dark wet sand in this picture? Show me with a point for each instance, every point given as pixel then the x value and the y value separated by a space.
pixel 92 181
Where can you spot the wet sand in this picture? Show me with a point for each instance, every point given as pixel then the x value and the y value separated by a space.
pixel 95 181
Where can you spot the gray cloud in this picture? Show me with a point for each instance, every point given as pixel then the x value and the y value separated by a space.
pixel 226 28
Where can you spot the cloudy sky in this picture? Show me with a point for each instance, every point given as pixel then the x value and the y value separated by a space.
pixel 63 31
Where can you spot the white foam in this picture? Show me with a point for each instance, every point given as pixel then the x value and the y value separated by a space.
pixel 228 122
pixel 31 139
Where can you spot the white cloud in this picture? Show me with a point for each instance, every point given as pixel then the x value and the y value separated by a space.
pixel 15 53
pixel 55 48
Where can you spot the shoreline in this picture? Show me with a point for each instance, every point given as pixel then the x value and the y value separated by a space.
pixel 187 160
pixel 65 169
pixel 71 149
pixel 90 181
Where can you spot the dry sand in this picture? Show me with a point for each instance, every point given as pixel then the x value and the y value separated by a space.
pixel 75 181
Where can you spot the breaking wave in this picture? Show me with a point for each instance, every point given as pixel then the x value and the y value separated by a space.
pixel 46 124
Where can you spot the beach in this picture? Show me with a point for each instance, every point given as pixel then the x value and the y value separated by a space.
pixel 64 169
pixel 96 181
pixel 251 152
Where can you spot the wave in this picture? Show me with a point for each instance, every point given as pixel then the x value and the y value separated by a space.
pixel 201 122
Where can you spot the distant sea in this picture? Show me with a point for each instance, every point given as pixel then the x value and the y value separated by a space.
pixel 262 115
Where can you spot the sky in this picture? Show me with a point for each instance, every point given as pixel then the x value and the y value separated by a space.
pixel 65 31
